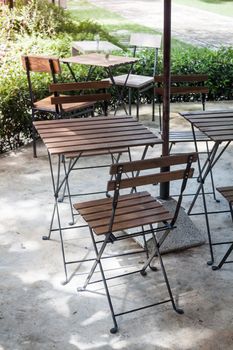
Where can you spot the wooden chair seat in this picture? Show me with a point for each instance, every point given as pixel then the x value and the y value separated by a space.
pixel 134 81
pixel 132 210
pixel 45 105
pixel 227 193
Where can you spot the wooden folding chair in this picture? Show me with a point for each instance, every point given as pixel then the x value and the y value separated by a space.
pixel 181 86
pixel 141 83
pixel 40 107
pixel 109 218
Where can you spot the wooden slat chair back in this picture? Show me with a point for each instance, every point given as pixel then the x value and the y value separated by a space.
pixel 182 85
pixel 141 83
pixel 109 216
pixel 41 64
pixel 43 107
pixel 227 193
pixel 87 93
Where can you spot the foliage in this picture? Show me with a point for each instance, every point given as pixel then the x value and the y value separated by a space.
pixel 37 17
pixel 50 32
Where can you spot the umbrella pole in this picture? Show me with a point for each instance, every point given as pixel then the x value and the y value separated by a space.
pixel 164 188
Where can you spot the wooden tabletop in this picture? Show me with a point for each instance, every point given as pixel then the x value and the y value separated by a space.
pixel 65 136
pixel 100 60
pixel 217 125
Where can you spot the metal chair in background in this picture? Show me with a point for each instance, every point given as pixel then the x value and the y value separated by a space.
pixel 181 86
pixel 43 107
pixel 141 83
pixel 109 218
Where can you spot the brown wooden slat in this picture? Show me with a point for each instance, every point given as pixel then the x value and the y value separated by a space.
pixel 183 90
pixel 93 203
pixel 207 114
pixel 211 121
pixel 90 136
pixel 88 128
pixel 216 124
pixel 183 78
pixel 80 98
pixel 221 138
pixel 59 87
pixel 99 60
pixel 41 63
pixel 88 124
pixel 106 214
pixel 183 136
pixel 81 121
pixel 104 209
pixel 149 179
pixel 150 141
pixel 216 131
pixel 134 223
pixel 95 140
pixel 49 136
pixel 226 192
pixel 152 163
pixel 127 216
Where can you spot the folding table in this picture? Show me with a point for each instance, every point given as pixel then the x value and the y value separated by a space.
pixel 85 135
pixel 218 126
pixel 108 63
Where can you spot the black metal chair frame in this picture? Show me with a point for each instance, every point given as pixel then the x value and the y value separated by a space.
pixel 113 221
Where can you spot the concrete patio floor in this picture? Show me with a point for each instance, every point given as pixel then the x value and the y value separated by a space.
pixel 38 312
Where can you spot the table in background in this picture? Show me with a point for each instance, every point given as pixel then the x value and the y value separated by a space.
pixel 109 63
pixel 218 126
pixel 88 46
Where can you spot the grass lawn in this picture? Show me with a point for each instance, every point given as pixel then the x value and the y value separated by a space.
pixel 114 23
pixel 83 10
pixel 221 7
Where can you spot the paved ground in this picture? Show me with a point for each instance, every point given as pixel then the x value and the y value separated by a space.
pixel 37 312
pixel 188 24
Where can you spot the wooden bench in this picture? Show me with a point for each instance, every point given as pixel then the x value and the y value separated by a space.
pixel 182 85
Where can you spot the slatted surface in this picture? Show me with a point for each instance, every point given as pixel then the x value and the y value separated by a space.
pixel 226 192
pixel 100 60
pixel 133 210
pixel 186 136
pixel 217 125
pixel 93 134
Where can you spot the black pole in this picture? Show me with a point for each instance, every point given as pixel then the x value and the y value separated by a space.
pixel 164 188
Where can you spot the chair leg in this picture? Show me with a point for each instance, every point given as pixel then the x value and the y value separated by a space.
pixel 97 262
pixel 157 253
pixel 179 311
pixel 130 101
pixel 138 103
pixel 228 252
pixel 153 106
pixel 34 137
